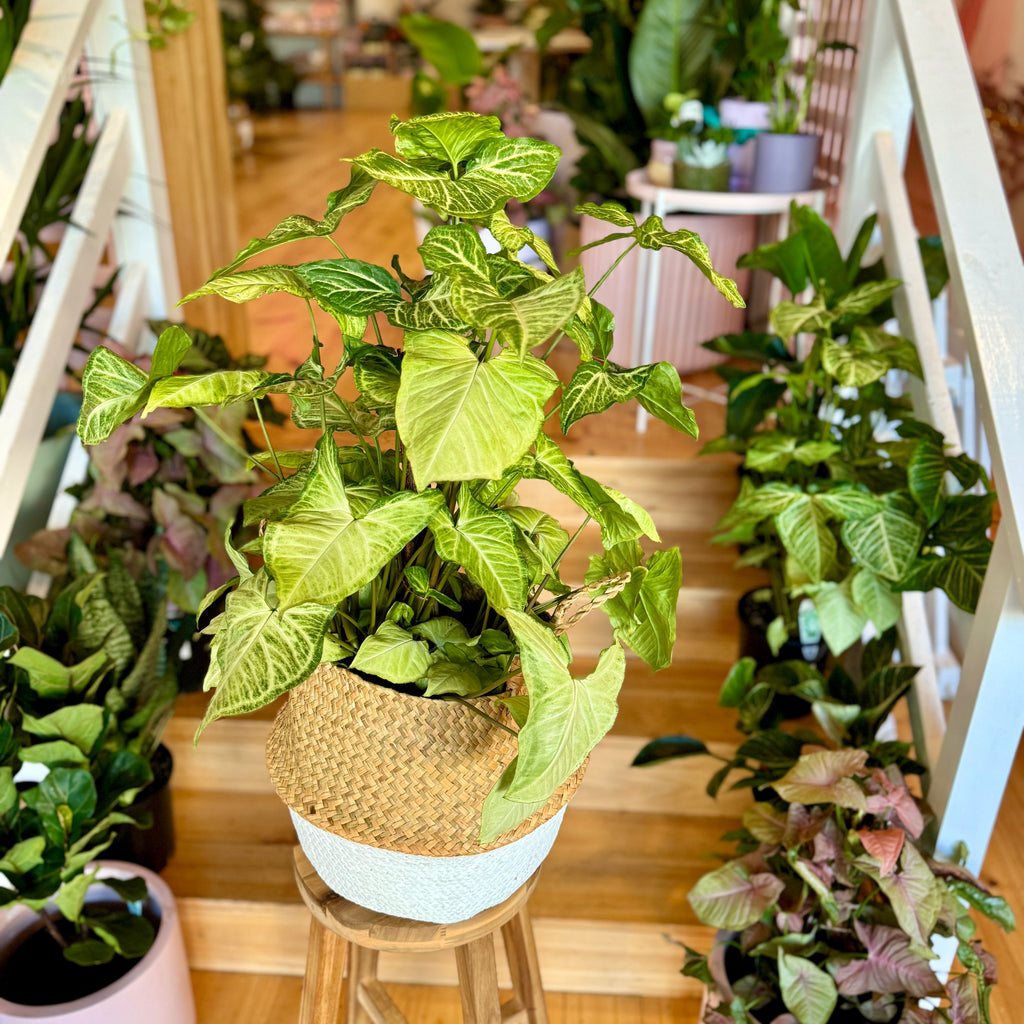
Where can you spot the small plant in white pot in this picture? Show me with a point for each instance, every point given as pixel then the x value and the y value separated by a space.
pixel 397 578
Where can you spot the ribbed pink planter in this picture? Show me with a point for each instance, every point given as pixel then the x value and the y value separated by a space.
pixel 690 309
pixel 157 990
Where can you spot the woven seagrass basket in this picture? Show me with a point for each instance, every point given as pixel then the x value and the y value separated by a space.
pixel 394 771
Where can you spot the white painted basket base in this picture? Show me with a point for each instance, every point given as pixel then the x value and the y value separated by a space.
pixel 442 890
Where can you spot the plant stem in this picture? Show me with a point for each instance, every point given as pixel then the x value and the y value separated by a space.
pixel 266 437
pixel 607 273
pixel 206 418
pixel 477 711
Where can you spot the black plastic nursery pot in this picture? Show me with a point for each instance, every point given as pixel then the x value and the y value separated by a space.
pixel 755 613
pixel 151 847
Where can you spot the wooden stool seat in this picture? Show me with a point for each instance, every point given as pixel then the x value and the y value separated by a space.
pixel 343 930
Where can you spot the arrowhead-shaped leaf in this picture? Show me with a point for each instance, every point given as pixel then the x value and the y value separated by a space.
pixel 349 287
pixel 355 194
pixel 881 605
pixel 499 812
pixel 567 716
pixel 808 992
pixel 448 137
pixel 662 396
pixel 803 529
pixel 462 419
pixel 259 651
pixel 825 777
pixel 886 543
pixel 731 898
pixel 524 322
pixel 483 541
pixel 841 619
pixel 916 898
pixel 321 552
pixel 185 392
pixel 113 390
pixel 393 654
pixel 455 249
pixel 890 966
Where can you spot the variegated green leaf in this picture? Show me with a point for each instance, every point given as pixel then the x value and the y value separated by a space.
pixel 886 543
pixel 185 392
pixel 881 605
pixel 789 318
pixel 349 287
pixel 245 285
pixel 550 463
pixel 847 501
pixel 429 309
pixel 643 615
pixel 547 539
pixel 358 190
pixel 261 651
pixel 461 419
pixel 513 239
pixel 567 716
pixel 499 812
pixel 731 897
pixel 393 654
pixel 524 322
pixel 926 475
pixel 592 330
pixel 851 365
pixel 483 541
pixel 321 552
pixel 662 397
pixel 171 348
pixel 841 618
pixel 500 169
pixel 448 137
pixel 803 530
pixel 610 213
pixel 455 249
pixel 652 234
pixel 867 297
pixel 595 387
pixel 113 390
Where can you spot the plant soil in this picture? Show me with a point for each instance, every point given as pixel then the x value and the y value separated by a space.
pixel 35 973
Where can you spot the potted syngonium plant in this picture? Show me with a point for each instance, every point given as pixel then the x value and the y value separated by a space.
pixel 831 910
pixel 411 604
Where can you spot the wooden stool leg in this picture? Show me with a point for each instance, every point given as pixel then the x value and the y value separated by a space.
pixel 362 967
pixel 524 966
pixel 325 972
pixel 478 982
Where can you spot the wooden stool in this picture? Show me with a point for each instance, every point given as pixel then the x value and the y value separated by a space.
pixel 339 926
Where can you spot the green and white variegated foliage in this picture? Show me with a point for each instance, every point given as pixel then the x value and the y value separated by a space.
pixel 850 500
pixel 398 546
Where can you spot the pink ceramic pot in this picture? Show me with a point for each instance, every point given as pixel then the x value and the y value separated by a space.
pixel 157 990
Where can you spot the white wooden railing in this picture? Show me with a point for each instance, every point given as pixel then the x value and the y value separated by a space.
pixel 123 200
pixel 914 66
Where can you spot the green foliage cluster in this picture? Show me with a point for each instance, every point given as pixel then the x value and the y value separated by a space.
pixel 404 551
pixel 85 694
pixel 832 907
pixel 846 497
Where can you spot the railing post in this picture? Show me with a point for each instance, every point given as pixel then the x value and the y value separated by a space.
pixel 882 103
pixel 969 776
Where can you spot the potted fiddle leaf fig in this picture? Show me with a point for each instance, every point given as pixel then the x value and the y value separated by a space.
pixel 829 913
pixel 398 587
pixel 846 499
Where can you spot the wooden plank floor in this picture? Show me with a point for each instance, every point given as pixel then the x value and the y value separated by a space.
pixel 610 907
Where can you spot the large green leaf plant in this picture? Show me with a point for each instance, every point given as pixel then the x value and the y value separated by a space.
pixel 403 551
pixel 847 499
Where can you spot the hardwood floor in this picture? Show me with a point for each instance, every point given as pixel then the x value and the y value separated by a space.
pixel 610 908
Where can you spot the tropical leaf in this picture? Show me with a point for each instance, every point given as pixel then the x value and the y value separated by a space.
pixel 113 390
pixel 851 365
pixel 483 541
pixel 464 420
pixel 357 192
pixel 808 992
pixel 915 896
pixel 595 387
pixel 825 777
pixel 349 288
pixel 393 654
pixel 448 137
pixel 841 619
pixel 886 543
pixel 871 593
pixel 259 651
pixel 662 396
pixel 732 898
pixel 185 392
pixel 567 716
pixel 455 249
pixel 499 812
pixel 499 170
pixel 803 530
pixel 524 322
pixel 321 552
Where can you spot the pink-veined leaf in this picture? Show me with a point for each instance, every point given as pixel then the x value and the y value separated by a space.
pixel 825 777
pixel 733 898
pixel 963 1000
pixel 891 966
